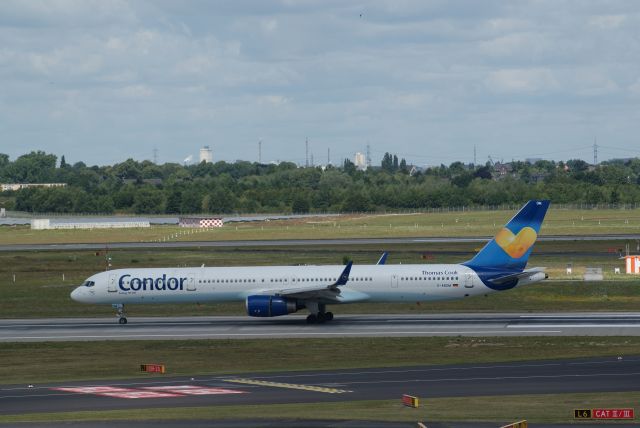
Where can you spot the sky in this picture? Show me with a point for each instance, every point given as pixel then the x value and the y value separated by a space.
pixel 100 81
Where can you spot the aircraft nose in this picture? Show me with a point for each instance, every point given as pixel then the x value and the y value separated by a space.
pixel 77 294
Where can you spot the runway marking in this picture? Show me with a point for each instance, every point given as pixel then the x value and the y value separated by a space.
pixel 495 378
pixel 288 385
pixel 194 390
pixel 611 325
pixel 148 392
pixel 628 315
pixel 429 369
pixel 110 391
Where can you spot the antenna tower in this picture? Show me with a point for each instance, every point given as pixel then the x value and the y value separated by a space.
pixel 328 155
pixel 260 151
pixel 155 155
pixel 306 152
pixel 475 162
pixel 595 152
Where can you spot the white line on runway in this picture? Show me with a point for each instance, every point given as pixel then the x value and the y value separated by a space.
pixel 282 334
pixel 377 372
pixel 633 315
pixel 105 324
pixel 470 379
pixel 612 325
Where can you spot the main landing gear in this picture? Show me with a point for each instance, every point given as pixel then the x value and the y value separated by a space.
pixel 122 318
pixel 318 314
pixel 319 318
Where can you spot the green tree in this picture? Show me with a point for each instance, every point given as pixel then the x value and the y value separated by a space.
pixel 300 203
pixel 148 200
pixel 191 201
pixel 35 167
pixel 221 201
pixel 349 167
pixel 356 200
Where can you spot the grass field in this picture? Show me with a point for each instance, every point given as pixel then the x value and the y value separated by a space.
pixel 64 361
pixel 539 408
pixel 458 223
pixel 40 291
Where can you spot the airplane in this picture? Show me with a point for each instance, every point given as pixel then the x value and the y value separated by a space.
pixel 271 291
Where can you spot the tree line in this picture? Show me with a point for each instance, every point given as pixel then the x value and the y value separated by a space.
pixel 223 187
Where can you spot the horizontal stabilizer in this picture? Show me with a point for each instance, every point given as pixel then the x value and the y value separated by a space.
pixel 524 274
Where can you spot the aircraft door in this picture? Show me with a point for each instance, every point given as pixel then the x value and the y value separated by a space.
pixel 191 282
pixel 394 281
pixel 112 286
pixel 468 280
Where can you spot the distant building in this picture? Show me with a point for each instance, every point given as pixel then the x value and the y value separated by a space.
pixel 206 155
pixel 200 222
pixel 502 169
pixel 17 186
pixel 360 161
pixel 45 224
pixel 414 169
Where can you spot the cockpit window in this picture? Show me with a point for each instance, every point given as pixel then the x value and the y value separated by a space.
pixel 89 283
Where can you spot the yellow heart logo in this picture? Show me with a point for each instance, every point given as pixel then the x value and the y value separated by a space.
pixel 516 245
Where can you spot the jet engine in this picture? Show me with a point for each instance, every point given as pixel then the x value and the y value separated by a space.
pixel 270 306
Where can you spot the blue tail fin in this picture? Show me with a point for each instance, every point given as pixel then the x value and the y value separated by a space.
pixel 510 248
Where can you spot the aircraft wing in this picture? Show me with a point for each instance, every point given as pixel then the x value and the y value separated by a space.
pixel 330 293
pixel 524 274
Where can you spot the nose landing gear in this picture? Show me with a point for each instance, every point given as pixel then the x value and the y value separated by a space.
pixel 122 318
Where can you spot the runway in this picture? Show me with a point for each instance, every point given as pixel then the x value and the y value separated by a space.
pixel 242 327
pixel 549 377
pixel 296 242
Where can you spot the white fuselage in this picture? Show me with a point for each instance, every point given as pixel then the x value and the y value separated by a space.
pixel 370 283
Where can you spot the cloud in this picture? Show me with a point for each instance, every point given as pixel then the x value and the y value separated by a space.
pixel 607 22
pixel 531 45
pixel 522 80
pixel 125 75
pixel 136 91
pixel 592 83
pixel 274 100
pixel 634 88
pixel 269 25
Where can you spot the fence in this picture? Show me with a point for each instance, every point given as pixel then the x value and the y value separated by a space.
pixel 464 208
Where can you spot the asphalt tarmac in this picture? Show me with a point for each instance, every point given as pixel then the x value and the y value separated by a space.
pixel 593 375
pixel 244 327
pixel 296 242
